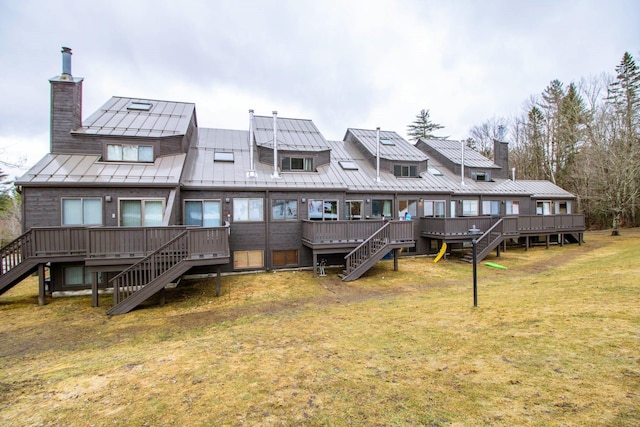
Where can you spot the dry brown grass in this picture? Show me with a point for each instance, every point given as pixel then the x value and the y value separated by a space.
pixel 555 341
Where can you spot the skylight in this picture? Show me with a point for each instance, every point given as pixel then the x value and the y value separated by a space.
pixel 222 156
pixel 139 106
pixel 348 166
pixel 433 171
pixel 385 141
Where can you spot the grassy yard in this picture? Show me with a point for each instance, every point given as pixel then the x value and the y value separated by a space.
pixel 555 341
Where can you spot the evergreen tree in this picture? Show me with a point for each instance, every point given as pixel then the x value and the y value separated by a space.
pixel 423 127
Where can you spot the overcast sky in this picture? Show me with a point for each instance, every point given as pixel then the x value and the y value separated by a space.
pixel 341 63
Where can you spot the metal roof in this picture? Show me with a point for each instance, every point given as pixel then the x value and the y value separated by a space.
pixel 118 117
pixel 401 150
pixel 292 134
pixel 56 169
pixel 452 150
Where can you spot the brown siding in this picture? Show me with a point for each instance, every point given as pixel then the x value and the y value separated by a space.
pixel 42 206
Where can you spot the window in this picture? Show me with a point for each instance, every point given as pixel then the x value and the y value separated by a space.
pixel 297 164
pixel 203 213
pixel 129 153
pixel 381 208
pixel 491 207
pixel 323 210
pixel 248 259
pixel 77 275
pixel 285 258
pixel 223 156
pixel 563 208
pixel 407 206
pixel 513 207
pixel 284 209
pixel 481 176
pixel 434 208
pixel 386 141
pixel 353 210
pixel 433 171
pixel 141 213
pixel 469 208
pixel 405 171
pixel 139 106
pixel 348 166
pixel 248 210
pixel 82 211
pixel 543 208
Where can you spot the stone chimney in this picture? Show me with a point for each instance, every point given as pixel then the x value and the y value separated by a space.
pixel 66 106
pixel 501 154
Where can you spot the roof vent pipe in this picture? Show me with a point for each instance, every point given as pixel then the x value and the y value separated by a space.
pixel 513 174
pixel 378 154
pixel 66 61
pixel 275 145
pixel 462 163
pixel 252 169
pixel 500 133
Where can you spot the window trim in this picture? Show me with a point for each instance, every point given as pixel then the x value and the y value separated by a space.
pixel 236 201
pixel 201 201
pixel 324 201
pixel 82 199
pixel 433 208
pixel 405 171
pixel 121 145
pixel 286 164
pixel 142 201
pixel 285 201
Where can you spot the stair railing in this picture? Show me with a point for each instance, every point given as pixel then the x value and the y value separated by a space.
pixel 368 248
pixel 485 240
pixel 15 252
pixel 150 267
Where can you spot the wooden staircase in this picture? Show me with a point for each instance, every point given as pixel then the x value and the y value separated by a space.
pixel 154 272
pixel 486 242
pixel 372 250
pixel 17 261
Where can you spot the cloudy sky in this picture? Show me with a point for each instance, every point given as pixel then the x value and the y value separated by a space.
pixel 340 63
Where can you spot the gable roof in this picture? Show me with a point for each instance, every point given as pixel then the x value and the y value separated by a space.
pixel 401 150
pixel 292 134
pixel 452 150
pixel 118 117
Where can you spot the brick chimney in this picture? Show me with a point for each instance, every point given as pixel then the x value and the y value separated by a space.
pixel 66 106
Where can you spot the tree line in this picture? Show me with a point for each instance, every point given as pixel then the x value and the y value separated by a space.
pixel 584 137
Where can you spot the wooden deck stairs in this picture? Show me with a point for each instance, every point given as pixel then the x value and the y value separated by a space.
pixel 17 262
pixel 154 272
pixel 370 251
pixel 486 242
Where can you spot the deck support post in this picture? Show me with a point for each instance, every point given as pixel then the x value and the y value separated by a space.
pixel 162 298
pixel 218 280
pixel 547 241
pixel 395 259
pixel 42 299
pixel 94 289
pixel 315 264
pixel 498 251
pixel 561 239
pixel 526 243
pixel 580 237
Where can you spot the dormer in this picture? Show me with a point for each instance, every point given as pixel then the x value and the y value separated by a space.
pixel 450 155
pixel 397 156
pixel 299 146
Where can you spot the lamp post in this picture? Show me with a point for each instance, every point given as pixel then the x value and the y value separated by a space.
pixel 475 273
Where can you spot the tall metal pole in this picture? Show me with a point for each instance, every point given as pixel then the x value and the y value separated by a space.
pixel 475 273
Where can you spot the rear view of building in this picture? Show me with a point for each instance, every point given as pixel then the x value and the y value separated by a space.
pixel 137 195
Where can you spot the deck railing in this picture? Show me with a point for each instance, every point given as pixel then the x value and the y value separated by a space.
pixel 513 225
pixel 128 242
pixel 353 231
